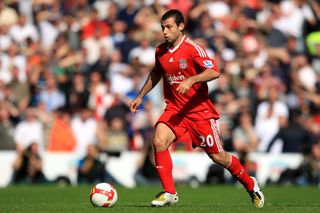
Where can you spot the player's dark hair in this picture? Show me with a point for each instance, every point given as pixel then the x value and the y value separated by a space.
pixel 178 16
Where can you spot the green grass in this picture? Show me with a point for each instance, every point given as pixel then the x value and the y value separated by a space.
pixel 222 198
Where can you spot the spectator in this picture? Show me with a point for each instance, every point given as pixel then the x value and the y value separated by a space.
pixel 10 103
pixel 5 39
pixel 314 164
pixel 20 90
pixel 183 5
pixel 51 96
pixel 292 134
pixel 112 13
pixel 244 137
pixel 100 97
pixel 148 16
pixel 22 31
pixel 13 57
pixel 84 128
pixel 245 141
pixel 120 74
pixel 269 16
pixel 115 138
pixel 119 32
pixel 61 138
pixel 126 45
pixel 8 16
pixel 95 43
pixel 308 173
pixel 119 109
pixel 268 114
pixel 91 168
pixel 292 46
pixel 144 53
pixel 224 97
pixel 6 130
pixel 28 131
pixel 142 125
pixel 265 80
pixel 204 28
pixel 47 29
pixel 78 95
pixel 102 65
pixel 28 166
pixel 93 25
pixel 295 13
pixel 306 74
pixel 140 122
pixel 46 118
pixel 127 14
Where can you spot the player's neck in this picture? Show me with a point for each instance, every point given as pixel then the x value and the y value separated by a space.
pixel 176 42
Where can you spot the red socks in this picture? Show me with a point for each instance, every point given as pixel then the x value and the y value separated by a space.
pixel 164 168
pixel 237 171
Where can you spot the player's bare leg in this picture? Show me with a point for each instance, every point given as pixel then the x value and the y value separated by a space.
pixel 232 163
pixel 163 137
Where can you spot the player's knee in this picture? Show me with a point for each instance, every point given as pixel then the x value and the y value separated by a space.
pixel 160 144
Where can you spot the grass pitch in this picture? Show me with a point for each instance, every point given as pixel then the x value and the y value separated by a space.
pixel 215 198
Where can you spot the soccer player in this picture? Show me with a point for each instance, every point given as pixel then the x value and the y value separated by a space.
pixel 186 67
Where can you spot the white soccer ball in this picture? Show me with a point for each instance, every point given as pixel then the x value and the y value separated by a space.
pixel 103 195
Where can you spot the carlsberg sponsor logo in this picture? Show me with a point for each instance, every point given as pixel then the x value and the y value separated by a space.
pixel 175 79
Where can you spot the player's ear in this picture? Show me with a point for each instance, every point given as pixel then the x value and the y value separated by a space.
pixel 181 26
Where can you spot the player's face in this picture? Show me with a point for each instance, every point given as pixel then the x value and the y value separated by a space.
pixel 171 31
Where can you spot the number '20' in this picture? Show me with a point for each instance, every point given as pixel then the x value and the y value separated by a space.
pixel 206 141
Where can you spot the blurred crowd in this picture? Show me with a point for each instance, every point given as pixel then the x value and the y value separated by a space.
pixel 68 70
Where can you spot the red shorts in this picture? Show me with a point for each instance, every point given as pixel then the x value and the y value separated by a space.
pixel 202 133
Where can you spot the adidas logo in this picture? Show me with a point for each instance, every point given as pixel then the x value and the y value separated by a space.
pixel 171 59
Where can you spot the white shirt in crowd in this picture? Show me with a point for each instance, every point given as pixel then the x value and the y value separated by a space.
pixel 84 132
pixel 267 127
pixel 93 46
pixel 21 33
pixel 121 83
pixel 144 55
pixel 6 64
pixel 5 42
pixel 48 33
pixel 292 19
pixel 28 132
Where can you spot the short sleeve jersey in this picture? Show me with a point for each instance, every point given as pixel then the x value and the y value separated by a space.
pixel 177 64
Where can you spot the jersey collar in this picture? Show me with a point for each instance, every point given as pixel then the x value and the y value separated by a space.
pixel 176 47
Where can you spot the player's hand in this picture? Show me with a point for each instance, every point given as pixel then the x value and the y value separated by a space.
pixel 134 104
pixel 184 86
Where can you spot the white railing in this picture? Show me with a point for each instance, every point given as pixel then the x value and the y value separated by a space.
pixel 123 168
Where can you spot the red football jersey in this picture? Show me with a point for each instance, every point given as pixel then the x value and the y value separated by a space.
pixel 177 64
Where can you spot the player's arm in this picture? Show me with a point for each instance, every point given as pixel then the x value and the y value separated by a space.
pixel 208 74
pixel 205 76
pixel 206 67
pixel 152 80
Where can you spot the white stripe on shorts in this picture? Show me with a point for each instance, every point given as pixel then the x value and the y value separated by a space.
pixel 216 134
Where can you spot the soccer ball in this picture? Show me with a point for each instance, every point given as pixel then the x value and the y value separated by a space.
pixel 103 195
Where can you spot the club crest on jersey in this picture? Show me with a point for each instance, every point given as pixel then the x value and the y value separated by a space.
pixel 208 64
pixel 183 64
